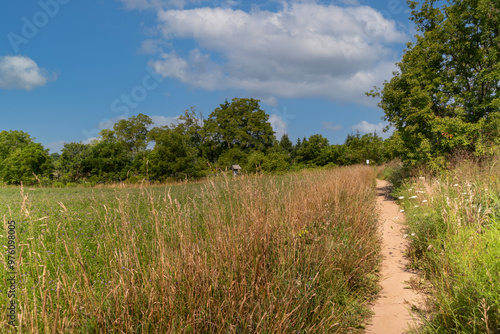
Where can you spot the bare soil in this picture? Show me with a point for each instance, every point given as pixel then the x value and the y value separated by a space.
pixel 393 309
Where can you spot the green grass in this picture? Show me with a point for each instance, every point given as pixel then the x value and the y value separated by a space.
pixel 454 230
pixel 274 254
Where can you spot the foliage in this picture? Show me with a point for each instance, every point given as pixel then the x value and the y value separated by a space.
pixel 133 132
pixel 233 156
pixel 109 157
pixel 23 160
pixel 310 150
pixel 173 155
pixel 445 96
pixel 240 124
pixel 73 163
pixel 275 161
pixel 359 149
pixel 105 159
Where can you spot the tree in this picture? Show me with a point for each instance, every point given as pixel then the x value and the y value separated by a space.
pixel 74 164
pixel 11 140
pixel 23 160
pixel 133 132
pixel 361 148
pixel 173 156
pixel 393 147
pixel 28 164
pixel 191 125
pixel 310 150
pixel 108 157
pixel 178 148
pixel 286 144
pixel 240 124
pixel 447 90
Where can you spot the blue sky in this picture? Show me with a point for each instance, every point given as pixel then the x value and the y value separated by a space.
pixel 69 68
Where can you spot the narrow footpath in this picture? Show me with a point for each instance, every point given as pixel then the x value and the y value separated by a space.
pixel 392 309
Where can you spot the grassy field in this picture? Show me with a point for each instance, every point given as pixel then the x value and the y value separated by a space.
pixel 454 230
pixel 272 254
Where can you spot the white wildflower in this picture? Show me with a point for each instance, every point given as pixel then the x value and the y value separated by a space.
pixel 455 185
pixel 413 197
pixel 424 201
pixel 401 197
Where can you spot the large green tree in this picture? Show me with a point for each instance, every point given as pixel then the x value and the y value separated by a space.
pixel 133 132
pixel 360 148
pixel 178 148
pixel 74 163
pixel 240 125
pixel 104 159
pixel 23 160
pixel 310 150
pixel 446 94
pixel 109 157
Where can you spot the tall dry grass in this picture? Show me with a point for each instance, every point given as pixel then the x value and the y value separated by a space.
pixel 282 254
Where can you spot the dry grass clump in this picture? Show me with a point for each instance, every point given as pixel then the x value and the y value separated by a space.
pixel 257 255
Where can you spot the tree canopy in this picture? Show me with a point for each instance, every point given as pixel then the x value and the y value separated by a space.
pixel 445 95
pixel 240 124
pixel 23 160
pixel 133 132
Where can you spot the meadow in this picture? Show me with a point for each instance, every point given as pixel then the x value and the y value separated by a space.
pixel 254 254
pixel 453 228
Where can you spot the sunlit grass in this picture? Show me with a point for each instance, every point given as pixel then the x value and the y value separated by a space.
pixel 296 252
pixel 454 229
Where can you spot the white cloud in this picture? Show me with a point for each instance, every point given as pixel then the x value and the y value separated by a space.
pixel 303 50
pixel 150 47
pixel 279 125
pixel 19 72
pixel 55 147
pixel 108 123
pixel 365 127
pixel 159 121
pixel 330 126
pixel 198 70
pixel 90 140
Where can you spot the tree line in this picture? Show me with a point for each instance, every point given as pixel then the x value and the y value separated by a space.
pixel 237 132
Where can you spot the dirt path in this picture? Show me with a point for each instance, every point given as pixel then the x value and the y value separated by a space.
pixel 393 308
